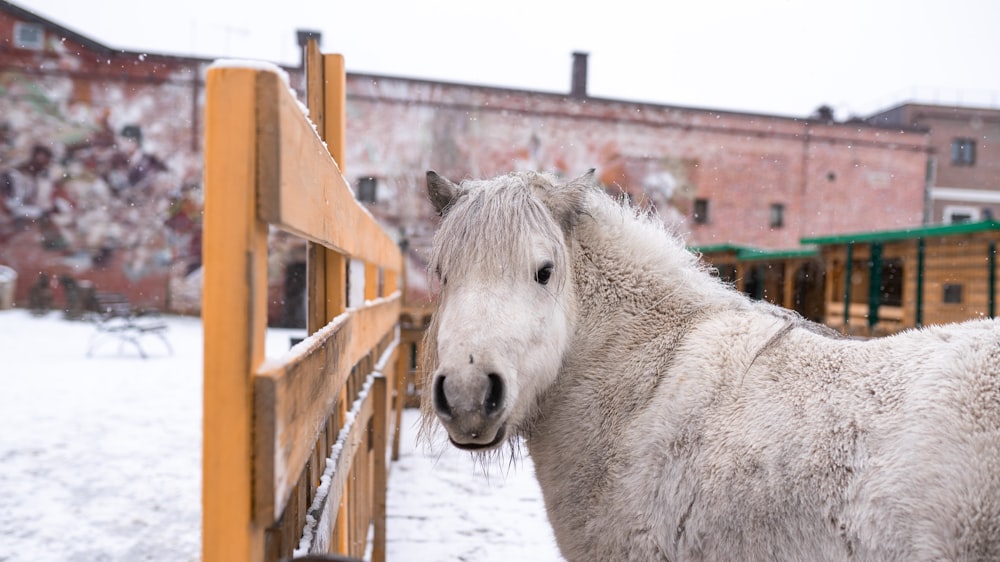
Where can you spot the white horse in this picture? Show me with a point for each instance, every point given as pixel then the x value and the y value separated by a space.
pixel 671 418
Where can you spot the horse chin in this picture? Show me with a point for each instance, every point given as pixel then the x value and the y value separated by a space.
pixel 474 447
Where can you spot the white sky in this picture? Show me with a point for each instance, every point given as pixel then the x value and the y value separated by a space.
pixel 783 57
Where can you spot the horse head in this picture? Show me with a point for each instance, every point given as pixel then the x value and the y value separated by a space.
pixel 505 302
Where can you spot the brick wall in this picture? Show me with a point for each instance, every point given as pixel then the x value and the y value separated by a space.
pixel 830 178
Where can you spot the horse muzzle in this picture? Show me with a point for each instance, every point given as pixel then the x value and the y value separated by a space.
pixel 471 406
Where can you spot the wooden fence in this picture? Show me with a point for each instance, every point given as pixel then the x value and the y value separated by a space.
pixel 294 449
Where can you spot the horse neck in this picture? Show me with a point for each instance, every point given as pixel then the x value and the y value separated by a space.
pixel 632 311
pixel 637 292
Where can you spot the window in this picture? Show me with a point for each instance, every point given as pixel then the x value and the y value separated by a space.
pixel 776 218
pixel 701 211
pixel 963 152
pixel 366 189
pixel 952 293
pixel 29 36
pixel 954 214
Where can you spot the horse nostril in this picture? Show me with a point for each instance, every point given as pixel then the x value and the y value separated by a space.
pixel 494 396
pixel 440 400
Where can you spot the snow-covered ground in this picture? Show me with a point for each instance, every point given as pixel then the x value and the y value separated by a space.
pixel 100 459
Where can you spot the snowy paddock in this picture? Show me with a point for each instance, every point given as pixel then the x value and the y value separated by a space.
pixel 100 459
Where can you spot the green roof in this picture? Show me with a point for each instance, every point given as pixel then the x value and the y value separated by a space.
pixel 755 254
pixel 749 253
pixel 716 248
pixel 906 233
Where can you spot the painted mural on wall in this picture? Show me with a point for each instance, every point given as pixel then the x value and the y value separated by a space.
pixel 96 186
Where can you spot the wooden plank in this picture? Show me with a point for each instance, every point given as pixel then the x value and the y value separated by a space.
pixel 234 315
pixel 302 190
pixel 294 398
pixel 325 506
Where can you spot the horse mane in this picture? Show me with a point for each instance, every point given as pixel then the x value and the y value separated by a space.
pixel 641 239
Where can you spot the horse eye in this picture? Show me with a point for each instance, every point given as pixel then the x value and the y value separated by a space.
pixel 544 273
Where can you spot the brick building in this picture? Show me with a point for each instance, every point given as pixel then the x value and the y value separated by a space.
pixel 725 177
pixel 751 179
pixel 965 159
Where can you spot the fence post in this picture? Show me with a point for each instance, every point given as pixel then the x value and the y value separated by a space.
pixel 235 280
pixel 380 428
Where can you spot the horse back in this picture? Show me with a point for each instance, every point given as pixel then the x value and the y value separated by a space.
pixel 775 439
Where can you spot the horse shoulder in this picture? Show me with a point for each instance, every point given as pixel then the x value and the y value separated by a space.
pixel 716 444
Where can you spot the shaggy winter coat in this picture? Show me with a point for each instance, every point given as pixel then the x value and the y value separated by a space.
pixel 670 418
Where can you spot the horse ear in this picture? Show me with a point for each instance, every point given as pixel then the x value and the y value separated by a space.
pixel 567 200
pixel 441 190
pixel 588 179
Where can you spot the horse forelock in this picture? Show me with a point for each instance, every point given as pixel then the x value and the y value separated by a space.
pixel 495 228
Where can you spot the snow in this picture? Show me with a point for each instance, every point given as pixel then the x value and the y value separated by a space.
pixel 100 459
pixel 251 64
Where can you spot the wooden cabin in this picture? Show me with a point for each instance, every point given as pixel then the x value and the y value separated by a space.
pixel 789 278
pixel 882 282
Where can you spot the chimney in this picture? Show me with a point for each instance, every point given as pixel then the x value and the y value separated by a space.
pixel 578 89
pixel 303 36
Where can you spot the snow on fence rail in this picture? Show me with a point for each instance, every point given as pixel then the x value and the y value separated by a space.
pixel 287 468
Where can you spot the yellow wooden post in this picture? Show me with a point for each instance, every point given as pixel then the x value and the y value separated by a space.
pixel 371 282
pixel 317 315
pixel 788 291
pixel 325 86
pixel 380 476
pixel 397 282
pixel 335 134
pixel 235 248
pixel 327 269
pixel 402 369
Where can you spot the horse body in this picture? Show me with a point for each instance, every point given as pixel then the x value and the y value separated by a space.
pixel 680 421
